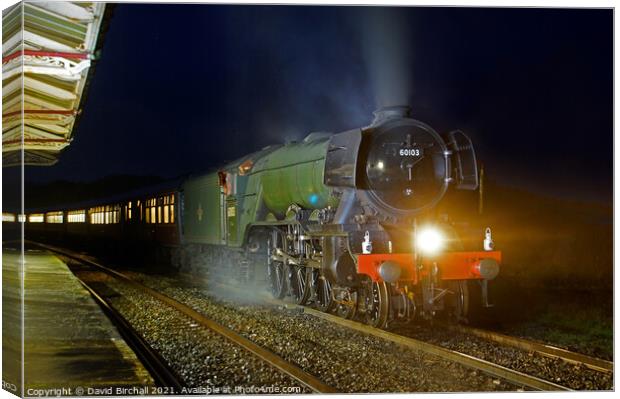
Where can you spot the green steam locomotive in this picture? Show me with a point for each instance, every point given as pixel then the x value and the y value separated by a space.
pixel 343 222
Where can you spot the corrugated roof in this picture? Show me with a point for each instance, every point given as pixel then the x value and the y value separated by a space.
pixel 48 49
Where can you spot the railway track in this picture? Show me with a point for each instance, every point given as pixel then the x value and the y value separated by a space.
pixel 551 351
pixel 305 379
pixel 162 374
pixel 516 377
pixel 512 376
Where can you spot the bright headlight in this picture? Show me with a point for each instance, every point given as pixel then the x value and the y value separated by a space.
pixel 429 240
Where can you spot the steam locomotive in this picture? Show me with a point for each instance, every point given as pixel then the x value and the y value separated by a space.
pixel 340 221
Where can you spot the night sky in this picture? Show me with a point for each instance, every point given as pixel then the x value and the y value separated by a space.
pixel 184 88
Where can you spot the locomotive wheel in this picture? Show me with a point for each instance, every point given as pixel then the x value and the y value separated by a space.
pixel 324 295
pixel 346 304
pixel 277 279
pixel 460 301
pixel 299 280
pixel 377 304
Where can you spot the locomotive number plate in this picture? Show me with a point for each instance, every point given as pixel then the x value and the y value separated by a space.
pixel 410 152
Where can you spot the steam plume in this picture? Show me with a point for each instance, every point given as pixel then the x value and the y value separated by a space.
pixel 385 43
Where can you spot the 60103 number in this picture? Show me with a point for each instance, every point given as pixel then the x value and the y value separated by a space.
pixel 409 152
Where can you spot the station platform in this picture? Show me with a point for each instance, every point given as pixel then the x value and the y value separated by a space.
pixel 68 341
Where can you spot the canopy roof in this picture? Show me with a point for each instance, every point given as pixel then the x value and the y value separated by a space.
pixel 48 51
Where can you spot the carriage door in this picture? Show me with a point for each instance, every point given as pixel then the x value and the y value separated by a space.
pixel 231 208
pixel 223 223
pixel 228 183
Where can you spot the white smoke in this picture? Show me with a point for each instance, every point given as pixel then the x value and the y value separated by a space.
pixel 386 46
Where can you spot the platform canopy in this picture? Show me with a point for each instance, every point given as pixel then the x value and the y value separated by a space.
pixel 46 67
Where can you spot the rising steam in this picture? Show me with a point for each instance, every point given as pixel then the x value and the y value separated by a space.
pixel 385 44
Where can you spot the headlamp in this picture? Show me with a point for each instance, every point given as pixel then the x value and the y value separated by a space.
pixel 429 240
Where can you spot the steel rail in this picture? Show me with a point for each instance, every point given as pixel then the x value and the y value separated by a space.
pixel 162 374
pixel 306 379
pixel 543 349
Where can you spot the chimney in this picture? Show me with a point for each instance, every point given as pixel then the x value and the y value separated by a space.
pixel 392 112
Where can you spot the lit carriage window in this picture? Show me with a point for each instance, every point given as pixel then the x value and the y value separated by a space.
pixel 171 213
pixel 129 211
pixel 21 218
pixel 159 214
pixel 153 215
pixel 111 214
pixel 53 217
pixel 172 198
pixel 8 217
pixel 76 216
pixel 148 215
pixel 166 218
pixel 103 214
pixel 35 218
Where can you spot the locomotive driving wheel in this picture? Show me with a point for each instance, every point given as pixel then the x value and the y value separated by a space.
pixel 323 292
pixel 346 303
pixel 276 275
pixel 377 301
pixel 299 280
pixel 277 279
pixel 459 303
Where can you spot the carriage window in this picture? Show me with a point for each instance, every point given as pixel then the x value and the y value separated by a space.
pixel 159 210
pixel 8 217
pixel 76 216
pixel 35 218
pixel 96 215
pixel 54 217
pixel 151 211
pixel 108 214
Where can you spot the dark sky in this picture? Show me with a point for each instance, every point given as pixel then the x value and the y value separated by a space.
pixel 183 88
